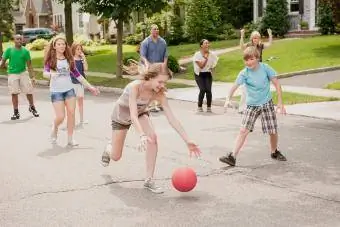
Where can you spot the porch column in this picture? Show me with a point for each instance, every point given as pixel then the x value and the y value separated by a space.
pixel 312 9
pixel 255 10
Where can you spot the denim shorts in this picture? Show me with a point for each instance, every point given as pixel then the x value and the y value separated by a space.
pixel 62 96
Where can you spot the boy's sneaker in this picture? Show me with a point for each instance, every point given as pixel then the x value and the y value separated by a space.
pixel 150 185
pixel 33 111
pixel 15 116
pixel 200 109
pixel 209 110
pixel 230 159
pixel 106 156
pixel 278 156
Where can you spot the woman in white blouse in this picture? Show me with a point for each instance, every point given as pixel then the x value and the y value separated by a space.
pixel 204 61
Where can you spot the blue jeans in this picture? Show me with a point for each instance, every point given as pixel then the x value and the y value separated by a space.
pixel 62 96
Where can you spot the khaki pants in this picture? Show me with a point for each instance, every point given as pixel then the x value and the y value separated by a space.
pixel 20 83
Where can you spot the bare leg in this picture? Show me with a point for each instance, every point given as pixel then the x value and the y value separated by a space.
pixel 15 101
pixel 70 104
pixel 59 110
pixel 30 99
pixel 273 142
pixel 242 105
pixel 152 146
pixel 80 101
pixel 118 140
pixel 241 138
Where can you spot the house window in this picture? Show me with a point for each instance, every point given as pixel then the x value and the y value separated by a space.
pixel 294 6
pixel 80 19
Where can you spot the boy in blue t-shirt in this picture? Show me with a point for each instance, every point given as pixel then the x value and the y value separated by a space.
pixel 256 77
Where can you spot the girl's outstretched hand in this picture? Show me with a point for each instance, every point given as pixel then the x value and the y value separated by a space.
pixel 193 149
pixel 94 91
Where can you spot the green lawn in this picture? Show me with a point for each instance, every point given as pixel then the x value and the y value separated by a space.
pixel 114 82
pixel 290 98
pixel 104 57
pixel 292 55
pixel 334 86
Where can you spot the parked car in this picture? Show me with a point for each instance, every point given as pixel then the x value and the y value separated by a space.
pixel 31 34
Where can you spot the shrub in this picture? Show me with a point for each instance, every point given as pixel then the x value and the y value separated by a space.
pixel 173 64
pixel 276 17
pixel 38 44
pixel 202 20
pixel 325 18
pixel 134 39
pixel 83 40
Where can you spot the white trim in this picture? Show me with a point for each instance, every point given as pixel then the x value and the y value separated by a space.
pixel 38 18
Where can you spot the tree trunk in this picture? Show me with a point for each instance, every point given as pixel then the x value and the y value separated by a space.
pixel 68 21
pixel 119 71
pixel 1 47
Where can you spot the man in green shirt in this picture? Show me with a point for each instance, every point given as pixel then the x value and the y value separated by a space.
pixel 19 80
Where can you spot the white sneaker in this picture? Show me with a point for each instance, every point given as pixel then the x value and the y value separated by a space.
pixel 151 185
pixel 72 143
pixel 54 135
pixel 84 122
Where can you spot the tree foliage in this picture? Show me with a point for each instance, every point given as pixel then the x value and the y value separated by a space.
pixel 6 20
pixel 202 20
pixel 236 12
pixel 120 12
pixel 276 17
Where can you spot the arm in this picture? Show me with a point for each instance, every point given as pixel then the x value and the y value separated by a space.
pixel 242 45
pixel 133 110
pixel 143 53
pixel 231 93
pixel 270 42
pixel 75 73
pixel 30 69
pixel 277 86
pixel 3 63
pixel 166 55
pixel 86 66
pixel 172 119
pixel 201 63
pixel 4 59
pixel 47 71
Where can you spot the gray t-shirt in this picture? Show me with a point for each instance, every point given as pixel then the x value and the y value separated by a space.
pixel 60 80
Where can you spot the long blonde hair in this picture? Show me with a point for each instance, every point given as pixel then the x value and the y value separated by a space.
pixel 255 34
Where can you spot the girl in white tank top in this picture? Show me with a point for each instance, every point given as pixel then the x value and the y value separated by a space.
pixel 131 108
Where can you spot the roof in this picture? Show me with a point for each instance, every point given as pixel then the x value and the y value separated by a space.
pixel 43 6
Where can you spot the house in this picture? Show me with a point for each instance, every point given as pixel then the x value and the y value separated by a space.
pixel 299 10
pixel 50 14
pixel 32 14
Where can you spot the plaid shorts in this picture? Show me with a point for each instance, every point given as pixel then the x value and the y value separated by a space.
pixel 268 117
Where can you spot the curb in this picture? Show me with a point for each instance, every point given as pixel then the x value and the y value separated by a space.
pixel 308 71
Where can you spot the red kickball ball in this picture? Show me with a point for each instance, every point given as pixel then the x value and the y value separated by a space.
pixel 184 179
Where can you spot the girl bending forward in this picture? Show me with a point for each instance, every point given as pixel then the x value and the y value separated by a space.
pixel 131 108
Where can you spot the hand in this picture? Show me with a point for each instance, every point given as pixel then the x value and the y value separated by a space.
pixel 227 104
pixel 281 109
pixel 193 149
pixel 33 80
pixel 269 32
pixel 242 32
pixel 144 139
pixel 94 91
pixel 82 55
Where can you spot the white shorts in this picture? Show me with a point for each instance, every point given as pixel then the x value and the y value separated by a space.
pixel 79 89
pixel 20 83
